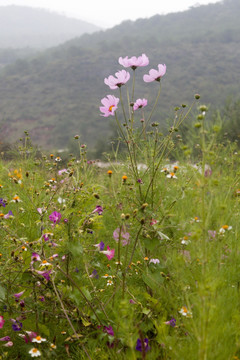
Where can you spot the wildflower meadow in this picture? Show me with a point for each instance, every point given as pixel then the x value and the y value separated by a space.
pixel 139 259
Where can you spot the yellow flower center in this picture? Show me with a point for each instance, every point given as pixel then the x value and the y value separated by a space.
pixel 110 108
pixel 34 350
pixel 225 227
pixel 38 337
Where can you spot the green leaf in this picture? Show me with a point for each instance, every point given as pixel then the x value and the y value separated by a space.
pixel 2 293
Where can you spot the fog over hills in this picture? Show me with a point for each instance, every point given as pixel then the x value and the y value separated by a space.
pixel 57 94
pixel 22 27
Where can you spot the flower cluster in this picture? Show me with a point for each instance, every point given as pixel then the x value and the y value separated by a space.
pixel 110 102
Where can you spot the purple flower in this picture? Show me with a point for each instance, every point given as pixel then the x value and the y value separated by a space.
pixel 116 82
pixel 155 75
pixel 109 105
pixel 55 217
pixel 94 274
pixel 154 261
pixel 100 246
pixel 16 325
pixel 139 103
pixel 134 62
pixel 171 322
pixel 8 215
pixel 123 235
pixel 5 338
pixel 2 202
pixel 45 274
pixel 98 209
pixel 108 330
pixel 139 346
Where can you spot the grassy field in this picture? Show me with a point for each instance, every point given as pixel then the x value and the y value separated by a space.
pixel 127 261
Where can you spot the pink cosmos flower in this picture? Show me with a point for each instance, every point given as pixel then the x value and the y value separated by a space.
pixel 155 75
pixel 2 321
pixel 109 253
pixel 134 62
pixel 116 82
pixel 139 103
pixel 110 105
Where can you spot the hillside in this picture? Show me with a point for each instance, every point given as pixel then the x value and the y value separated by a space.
pixel 57 94
pixel 22 27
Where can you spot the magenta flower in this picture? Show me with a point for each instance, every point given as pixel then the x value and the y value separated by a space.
pixel 5 338
pixel 109 253
pixel 110 105
pixel 139 103
pixel 124 236
pixel 29 336
pixel 134 62
pixel 98 209
pixel 35 257
pixel 45 274
pixel 116 82
pixel 18 295
pixel 2 321
pixel 108 330
pixel 155 75
pixel 55 217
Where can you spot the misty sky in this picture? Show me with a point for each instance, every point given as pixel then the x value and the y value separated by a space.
pixel 107 13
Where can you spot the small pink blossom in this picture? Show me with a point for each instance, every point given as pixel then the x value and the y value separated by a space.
pixel 2 321
pixel 116 82
pixel 63 171
pixel 155 75
pixel 110 105
pixel 124 236
pixel 134 61
pixel 8 344
pixel 139 103
pixel 109 253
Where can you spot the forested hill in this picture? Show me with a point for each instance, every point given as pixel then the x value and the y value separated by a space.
pixel 22 26
pixel 57 94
